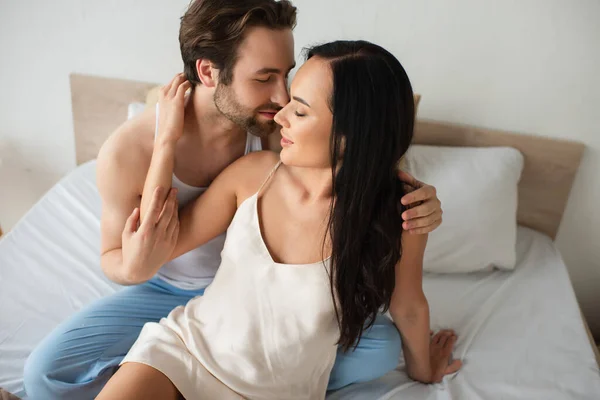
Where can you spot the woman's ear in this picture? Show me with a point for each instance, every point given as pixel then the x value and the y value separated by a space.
pixel 207 73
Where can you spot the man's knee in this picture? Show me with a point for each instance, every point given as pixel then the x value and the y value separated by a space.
pixel 377 353
pixel 384 344
pixel 38 368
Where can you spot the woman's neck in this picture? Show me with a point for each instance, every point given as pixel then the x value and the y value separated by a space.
pixel 314 184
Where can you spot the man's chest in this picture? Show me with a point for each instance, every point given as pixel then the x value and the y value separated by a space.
pixel 200 168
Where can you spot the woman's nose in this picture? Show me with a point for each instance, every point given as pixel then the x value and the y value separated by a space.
pixel 280 118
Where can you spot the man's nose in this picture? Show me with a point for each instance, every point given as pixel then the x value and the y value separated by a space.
pixel 281 95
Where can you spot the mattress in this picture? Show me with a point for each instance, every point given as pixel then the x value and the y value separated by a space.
pixel 520 333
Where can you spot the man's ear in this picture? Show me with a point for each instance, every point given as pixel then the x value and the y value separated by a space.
pixel 207 72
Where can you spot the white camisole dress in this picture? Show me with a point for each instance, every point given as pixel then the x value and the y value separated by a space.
pixel 262 330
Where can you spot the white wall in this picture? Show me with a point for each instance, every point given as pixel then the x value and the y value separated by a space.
pixel 530 66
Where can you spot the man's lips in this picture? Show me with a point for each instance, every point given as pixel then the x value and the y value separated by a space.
pixel 268 114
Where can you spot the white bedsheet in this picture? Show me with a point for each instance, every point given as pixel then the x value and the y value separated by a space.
pixel 49 268
pixel 520 333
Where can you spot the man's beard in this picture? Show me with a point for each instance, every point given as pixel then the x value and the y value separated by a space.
pixel 227 104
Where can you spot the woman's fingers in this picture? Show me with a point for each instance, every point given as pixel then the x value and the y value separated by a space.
pixel 170 89
pixel 437 337
pixel 154 209
pixel 166 89
pixel 132 222
pixel 183 87
pixel 447 354
pixel 444 339
pixel 450 342
pixel 174 223
pixel 167 211
pixel 443 344
pixel 453 367
pixel 175 84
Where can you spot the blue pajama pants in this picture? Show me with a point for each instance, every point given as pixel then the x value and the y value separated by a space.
pixel 77 359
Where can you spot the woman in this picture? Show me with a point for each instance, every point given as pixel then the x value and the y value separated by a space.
pixel 314 250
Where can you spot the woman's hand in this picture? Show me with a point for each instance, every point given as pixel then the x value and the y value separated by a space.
pixel 171 106
pixel 147 247
pixel 440 353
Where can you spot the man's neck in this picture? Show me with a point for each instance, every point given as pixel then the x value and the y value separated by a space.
pixel 205 125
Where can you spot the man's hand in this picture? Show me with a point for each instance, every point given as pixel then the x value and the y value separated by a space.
pixel 147 247
pixel 425 209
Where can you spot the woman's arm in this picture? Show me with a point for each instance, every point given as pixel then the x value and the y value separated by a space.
pixel 163 235
pixel 171 111
pixel 409 307
pixel 427 359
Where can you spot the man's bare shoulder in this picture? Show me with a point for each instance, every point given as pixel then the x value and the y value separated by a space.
pixel 131 141
pixel 127 152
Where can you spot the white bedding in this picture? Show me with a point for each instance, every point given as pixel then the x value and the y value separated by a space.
pixel 520 333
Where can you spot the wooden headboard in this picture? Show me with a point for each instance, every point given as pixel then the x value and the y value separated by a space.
pixel 100 106
pixel 548 173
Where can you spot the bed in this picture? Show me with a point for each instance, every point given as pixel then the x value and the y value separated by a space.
pixel 521 334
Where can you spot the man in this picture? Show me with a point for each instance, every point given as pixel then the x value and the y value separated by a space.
pixel 238 56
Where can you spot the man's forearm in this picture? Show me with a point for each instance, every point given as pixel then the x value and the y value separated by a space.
pixel 115 270
pixel 413 325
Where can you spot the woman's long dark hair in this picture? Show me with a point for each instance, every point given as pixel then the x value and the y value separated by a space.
pixel 373 119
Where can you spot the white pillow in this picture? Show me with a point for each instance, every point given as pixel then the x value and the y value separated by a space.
pixel 134 109
pixel 478 190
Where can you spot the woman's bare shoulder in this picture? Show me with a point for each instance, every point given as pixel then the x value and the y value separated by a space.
pixel 250 171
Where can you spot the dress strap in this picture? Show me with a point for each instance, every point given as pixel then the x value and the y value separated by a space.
pixel 268 177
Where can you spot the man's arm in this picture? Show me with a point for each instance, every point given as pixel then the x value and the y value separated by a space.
pixel 121 169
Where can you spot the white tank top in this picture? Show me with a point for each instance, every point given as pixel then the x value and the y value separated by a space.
pixel 196 268
pixel 263 329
